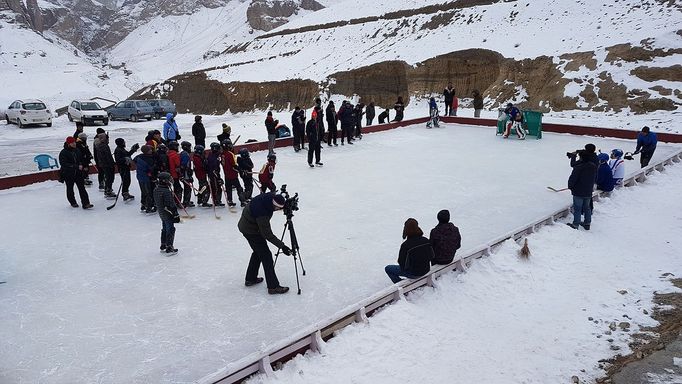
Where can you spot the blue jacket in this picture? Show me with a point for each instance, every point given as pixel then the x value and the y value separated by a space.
pixel 513 112
pixel 346 116
pixel 432 104
pixel 170 128
pixel 605 180
pixel 144 167
pixel 646 143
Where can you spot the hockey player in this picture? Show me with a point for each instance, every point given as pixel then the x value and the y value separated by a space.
pixel 231 174
pixel 199 162
pixel 123 159
pixel 605 180
pixel 314 142
pixel 162 158
pixel 174 167
pixel 245 171
pixel 433 112
pixel 267 174
pixel 515 121
pixel 86 156
pixel 145 170
pixel 617 166
pixel 165 206
pixel 186 173
pixel 384 116
pixel 213 162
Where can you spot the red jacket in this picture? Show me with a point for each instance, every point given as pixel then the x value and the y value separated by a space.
pixel 455 102
pixel 229 165
pixel 174 163
pixel 266 173
pixel 199 170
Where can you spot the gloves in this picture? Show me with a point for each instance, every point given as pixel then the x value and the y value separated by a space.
pixel 135 147
pixel 176 218
pixel 286 250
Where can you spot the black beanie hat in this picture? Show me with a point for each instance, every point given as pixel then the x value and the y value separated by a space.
pixel 120 142
pixel 100 130
pixel 444 216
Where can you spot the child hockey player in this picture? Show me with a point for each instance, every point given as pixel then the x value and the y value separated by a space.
pixel 617 166
pixel 231 174
pixel 199 162
pixel 165 205
pixel 515 121
pixel 123 159
pixel 266 174
pixel 146 172
pixel 186 173
pixel 174 167
pixel 245 171
pixel 605 180
pixel 213 161
pixel 433 112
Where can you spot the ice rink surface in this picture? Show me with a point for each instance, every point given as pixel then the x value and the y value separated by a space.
pixel 89 298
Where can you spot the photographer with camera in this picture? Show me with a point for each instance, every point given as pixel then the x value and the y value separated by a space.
pixel 254 225
pixel 168 211
pixel 581 184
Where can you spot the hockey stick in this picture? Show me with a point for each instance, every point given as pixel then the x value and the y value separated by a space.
pixel 117 194
pixel 177 200
pixel 197 191
pixel 557 190
pixel 236 140
pixel 210 189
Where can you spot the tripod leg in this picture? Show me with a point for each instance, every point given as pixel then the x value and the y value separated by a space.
pixel 296 250
pixel 298 285
pixel 280 239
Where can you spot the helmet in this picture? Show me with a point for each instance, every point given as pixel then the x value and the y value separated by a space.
pixel 164 177
pixel 272 158
pixel 215 146
pixel 173 145
pixel 617 153
pixel 162 148
pixel 199 149
pixel 244 152
pixel 509 105
pixel 186 145
pixel 603 157
pixel 227 143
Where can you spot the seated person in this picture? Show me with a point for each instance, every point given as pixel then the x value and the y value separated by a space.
pixel 605 181
pixel 384 116
pixel 414 256
pixel 617 166
pixel 282 131
pixel 445 239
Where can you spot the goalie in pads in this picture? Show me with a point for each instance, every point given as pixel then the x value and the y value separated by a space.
pixel 433 113
pixel 515 121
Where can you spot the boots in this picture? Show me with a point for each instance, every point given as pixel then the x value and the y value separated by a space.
pixel 109 193
pixel 278 290
pixel 127 196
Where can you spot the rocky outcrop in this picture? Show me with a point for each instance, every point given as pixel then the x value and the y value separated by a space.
pixel 266 15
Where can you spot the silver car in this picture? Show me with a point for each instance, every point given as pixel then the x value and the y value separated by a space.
pixel 132 110
pixel 28 112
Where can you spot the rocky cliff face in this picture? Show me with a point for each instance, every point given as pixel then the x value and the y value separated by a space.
pixel 266 15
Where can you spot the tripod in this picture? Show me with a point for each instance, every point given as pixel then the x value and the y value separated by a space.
pixel 295 249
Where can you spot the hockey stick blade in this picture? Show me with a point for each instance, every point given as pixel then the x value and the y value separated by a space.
pixel 557 190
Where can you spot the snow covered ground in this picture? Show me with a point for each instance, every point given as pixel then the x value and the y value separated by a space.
pixel 89 298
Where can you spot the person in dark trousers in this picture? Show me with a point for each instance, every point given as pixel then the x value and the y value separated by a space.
pixel 384 116
pixel 174 169
pixel 448 94
pixel 71 172
pixel 145 171
pixel 332 123
pixel 478 103
pixel 445 239
pixel 314 142
pixel 298 127
pixel 168 211
pixel 199 131
pixel 105 163
pixel 646 145
pixel 267 174
pixel 100 173
pixel 124 159
pixel 347 121
pixel 581 184
pixel 86 156
pixel 254 225
pixel 358 112
pixel 245 165
pixel 605 180
pixel 225 135
pixel 415 255
pixel 199 162
pixel 186 173
pixel 213 163
pixel 399 107
pixel 231 169
pixel 370 112
pixel 320 119
pixel 270 126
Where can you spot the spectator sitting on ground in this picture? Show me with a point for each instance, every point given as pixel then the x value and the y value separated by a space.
pixel 617 166
pixel 415 254
pixel 605 181
pixel 445 239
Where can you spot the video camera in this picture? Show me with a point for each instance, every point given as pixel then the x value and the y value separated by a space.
pixel 291 203
pixel 573 154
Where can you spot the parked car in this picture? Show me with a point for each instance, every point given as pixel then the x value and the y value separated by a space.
pixel 132 110
pixel 162 107
pixel 87 112
pixel 28 112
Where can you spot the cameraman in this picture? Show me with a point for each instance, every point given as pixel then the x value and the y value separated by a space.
pixel 255 226
pixel 581 184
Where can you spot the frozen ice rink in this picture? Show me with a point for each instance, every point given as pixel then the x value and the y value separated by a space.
pixel 88 297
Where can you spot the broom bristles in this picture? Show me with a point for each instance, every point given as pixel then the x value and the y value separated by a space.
pixel 524 252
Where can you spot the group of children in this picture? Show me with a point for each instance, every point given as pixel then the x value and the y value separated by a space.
pixel 610 171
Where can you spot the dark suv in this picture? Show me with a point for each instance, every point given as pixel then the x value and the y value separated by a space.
pixel 132 110
pixel 162 107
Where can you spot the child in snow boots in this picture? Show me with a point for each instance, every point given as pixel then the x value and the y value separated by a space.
pixel 123 159
pixel 168 212
pixel 266 174
pixel 433 112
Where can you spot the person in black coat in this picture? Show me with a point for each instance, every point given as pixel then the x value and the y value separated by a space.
pixel 105 163
pixel 357 112
pixel 298 127
pixel 445 239
pixel 449 95
pixel 245 165
pixel 71 172
pixel 123 159
pixel 581 184
pixel 478 103
pixel 399 107
pixel 86 156
pixel 370 111
pixel 347 121
pixel 314 143
pixel 199 131
pixel 384 116
pixel 320 119
pixel 332 122
pixel 168 212
pixel 415 255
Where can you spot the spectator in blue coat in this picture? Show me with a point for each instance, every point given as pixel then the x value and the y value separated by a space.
pixel 170 129
pixel 605 180
pixel 646 145
pixel 581 184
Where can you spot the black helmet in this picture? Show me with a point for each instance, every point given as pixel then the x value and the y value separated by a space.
pixel 272 157
pixel 227 143
pixel 186 145
pixel 215 146
pixel 244 152
pixel 164 177
pixel 173 145
pixel 162 148
pixel 199 149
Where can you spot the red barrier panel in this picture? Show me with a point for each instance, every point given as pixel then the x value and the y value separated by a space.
pixel 23 180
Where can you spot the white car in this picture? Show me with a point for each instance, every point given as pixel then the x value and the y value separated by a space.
pixel 28 112
pixel 87 112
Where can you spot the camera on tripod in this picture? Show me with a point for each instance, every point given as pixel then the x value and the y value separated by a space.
pixel 291 202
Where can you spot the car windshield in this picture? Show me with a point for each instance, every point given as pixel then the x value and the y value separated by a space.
pixel 142 104
pixel 90 106
pixel 152 102
pixel 33 106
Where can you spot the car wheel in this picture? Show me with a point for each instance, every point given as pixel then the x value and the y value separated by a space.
pixel 111 117
pixel 49 125
pixel 7 119
pixel 157 116
pixel 106 122
pixel 133 118
pixel 69 116
pixel 149 119
pixel 19 123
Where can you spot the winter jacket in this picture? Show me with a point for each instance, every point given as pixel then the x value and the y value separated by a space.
pixel 581 181
pixel 170 128
pixel 513 113
pixel 255 219
pixel 399 111
pixel 617 168
pixel 224 136
pixel 320 116
pixel 267 173
pixel 357 112
pixel 123 157
pixel 455 103
pixel 174 164
pixel 69 160
pixel 449 93
pixel 86 155
pixel 185 164
pixel 104 157
pixel 270 125
pixel 245 165
pixel 162 162
pixel 478 101
pixel 415 255
pixel 298 120
pixel 346 116
pixel 164 201
pixel 230 165
pixel 646 143
pixel 213 161
pixel 605 181
pixel 332 119
pixel 145 169
pixel 199 168
pixel 433 105
pixel 312 132
pixel 445 241
pixel 370 111
pixel 198 131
